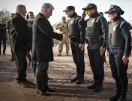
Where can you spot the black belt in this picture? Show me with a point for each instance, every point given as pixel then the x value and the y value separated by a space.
pixel 74 38
pixel 91 42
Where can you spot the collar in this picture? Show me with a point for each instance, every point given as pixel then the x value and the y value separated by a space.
pixel 22 15
pixel 117 18
pixel 94 15
pixel 73 15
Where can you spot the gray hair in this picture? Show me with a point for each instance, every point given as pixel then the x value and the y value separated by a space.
pixel 20 6
pixel 47 6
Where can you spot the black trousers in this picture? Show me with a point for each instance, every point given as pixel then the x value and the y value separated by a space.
pixel 34 66
pixel 119 70
pixel 3 40
pixel 78 57
pixel 96 63
pixel 41 75
pixel 21 64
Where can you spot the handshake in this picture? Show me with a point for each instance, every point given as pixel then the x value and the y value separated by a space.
pixel 65 37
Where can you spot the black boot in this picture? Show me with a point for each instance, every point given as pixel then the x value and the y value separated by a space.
pixel 76 78
pixel 123 97
pixel 116 96
pixel 80 78
pixel 99 87
pixel 124 85
pixel 93 86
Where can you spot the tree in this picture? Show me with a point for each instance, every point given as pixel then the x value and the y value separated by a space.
pixel 5 14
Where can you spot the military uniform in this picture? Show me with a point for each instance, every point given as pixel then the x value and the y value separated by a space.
pixel 76 38
pixel 96 32
pixel 119 47
pixel 62 26
pixel 9 27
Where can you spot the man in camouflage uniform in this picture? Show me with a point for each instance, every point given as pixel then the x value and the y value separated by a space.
pixel 9 27
pixel 62 27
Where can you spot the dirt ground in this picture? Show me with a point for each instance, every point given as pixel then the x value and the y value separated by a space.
pixel 60 73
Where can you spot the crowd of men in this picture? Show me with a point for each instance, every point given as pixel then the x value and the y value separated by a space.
pixel 32 37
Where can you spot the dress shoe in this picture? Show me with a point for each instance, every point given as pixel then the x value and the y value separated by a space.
pixel 29 82
pixel 50 90
pixel 93 86
pixel 23 84
pixel 42 92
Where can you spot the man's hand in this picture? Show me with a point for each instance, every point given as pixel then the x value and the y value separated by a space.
pixel 82 47
pixel 125 60
pixel 83 14
pixel 65 37
pixel 102 50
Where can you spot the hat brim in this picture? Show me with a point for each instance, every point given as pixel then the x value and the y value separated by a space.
pixel 87 8
pixel 66 10
pixel 109 12
pixel 84 8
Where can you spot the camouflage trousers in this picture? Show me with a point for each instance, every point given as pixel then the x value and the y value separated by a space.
pixel 61 43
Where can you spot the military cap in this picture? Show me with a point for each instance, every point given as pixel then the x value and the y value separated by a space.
pixel 69 8
pixel 115 9
pixel 90 6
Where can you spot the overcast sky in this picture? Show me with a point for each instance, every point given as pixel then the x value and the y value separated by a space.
pixel 60 5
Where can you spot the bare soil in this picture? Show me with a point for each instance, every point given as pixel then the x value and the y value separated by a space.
pixel 60 73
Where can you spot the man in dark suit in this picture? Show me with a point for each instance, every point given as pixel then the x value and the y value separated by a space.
pixel 20 44
pixel 42 47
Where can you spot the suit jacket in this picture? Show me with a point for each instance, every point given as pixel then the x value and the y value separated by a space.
pixel 30 23
pixel 42 39
pixel 20 34
pixel 2 31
